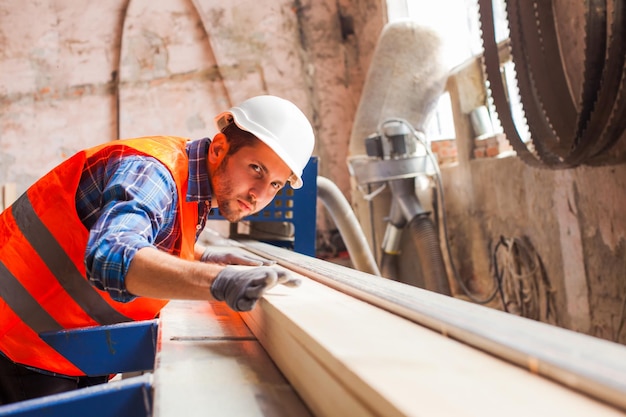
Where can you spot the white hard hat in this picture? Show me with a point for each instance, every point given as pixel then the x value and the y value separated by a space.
pixel 280 124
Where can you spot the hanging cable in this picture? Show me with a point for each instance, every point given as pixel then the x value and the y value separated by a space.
pixel 526 290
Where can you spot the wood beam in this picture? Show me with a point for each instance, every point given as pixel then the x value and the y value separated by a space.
pixel 346 357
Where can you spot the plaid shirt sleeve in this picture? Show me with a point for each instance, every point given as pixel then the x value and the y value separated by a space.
pixel 127 203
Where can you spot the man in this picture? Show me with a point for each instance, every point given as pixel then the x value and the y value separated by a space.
pixel 110 235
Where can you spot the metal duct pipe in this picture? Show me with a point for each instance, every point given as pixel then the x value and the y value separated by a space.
pixel 348 225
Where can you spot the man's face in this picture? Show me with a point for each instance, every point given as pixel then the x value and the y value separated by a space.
pixel 247 181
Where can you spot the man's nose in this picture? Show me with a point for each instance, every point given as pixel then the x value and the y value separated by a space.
pixel 255 193
pixel 261 191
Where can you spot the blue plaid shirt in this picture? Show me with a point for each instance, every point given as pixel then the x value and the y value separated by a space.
pixel 128 202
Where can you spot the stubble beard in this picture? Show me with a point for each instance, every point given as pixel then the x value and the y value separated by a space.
pixel 226 200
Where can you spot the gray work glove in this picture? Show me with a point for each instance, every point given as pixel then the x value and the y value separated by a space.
pixel 241 288
pixel 231 256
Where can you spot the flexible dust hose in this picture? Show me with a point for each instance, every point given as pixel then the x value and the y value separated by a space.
pixel 348 226
pixel 423 234
pixel 389 265
pixel 426 243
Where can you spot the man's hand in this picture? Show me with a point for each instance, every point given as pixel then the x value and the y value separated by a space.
pixel 232 256
pixel 242 288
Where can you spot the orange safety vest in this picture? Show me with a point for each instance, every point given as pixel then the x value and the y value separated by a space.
pixel 43 285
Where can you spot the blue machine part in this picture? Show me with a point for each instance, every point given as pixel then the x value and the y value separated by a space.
pixel 131 397
pixel 103 350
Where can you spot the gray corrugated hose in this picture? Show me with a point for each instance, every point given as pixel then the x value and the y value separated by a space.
pixel 348 226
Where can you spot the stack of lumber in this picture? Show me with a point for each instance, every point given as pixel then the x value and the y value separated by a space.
pixel 346 357
pixel 350 344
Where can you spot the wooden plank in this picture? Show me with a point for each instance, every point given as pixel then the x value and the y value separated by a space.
pixel 325 394
pixel 348 357
pixel 209 363
pixel 590 365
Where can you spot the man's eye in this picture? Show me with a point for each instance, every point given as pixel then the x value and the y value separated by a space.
pixel 276 185
pixel 255 168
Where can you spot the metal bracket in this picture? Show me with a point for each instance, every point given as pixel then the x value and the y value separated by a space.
pixel 368 170
pixel 102 350
pixel 128 398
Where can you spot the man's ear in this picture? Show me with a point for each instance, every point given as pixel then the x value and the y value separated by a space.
pixel 218 148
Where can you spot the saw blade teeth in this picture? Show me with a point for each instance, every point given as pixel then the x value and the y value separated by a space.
pixel 593 56
pixel 612 85
pixel 514 90
pixel 543 60
pixel 566 128
pixel 542 133
pixel 491 68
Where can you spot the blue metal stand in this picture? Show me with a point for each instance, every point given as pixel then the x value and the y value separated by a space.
pixel 127 398
pixel 100 350
pixel 103 350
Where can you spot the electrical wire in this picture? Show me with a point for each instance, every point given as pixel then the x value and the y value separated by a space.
pixel 523 280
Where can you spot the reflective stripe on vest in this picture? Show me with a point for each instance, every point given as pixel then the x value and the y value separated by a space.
pixel 42 243
pixel 63 269
pixel 24 305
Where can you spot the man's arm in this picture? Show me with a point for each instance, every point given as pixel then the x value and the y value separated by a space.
pixel 127 203
pixel 157 274
pixel 122 259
